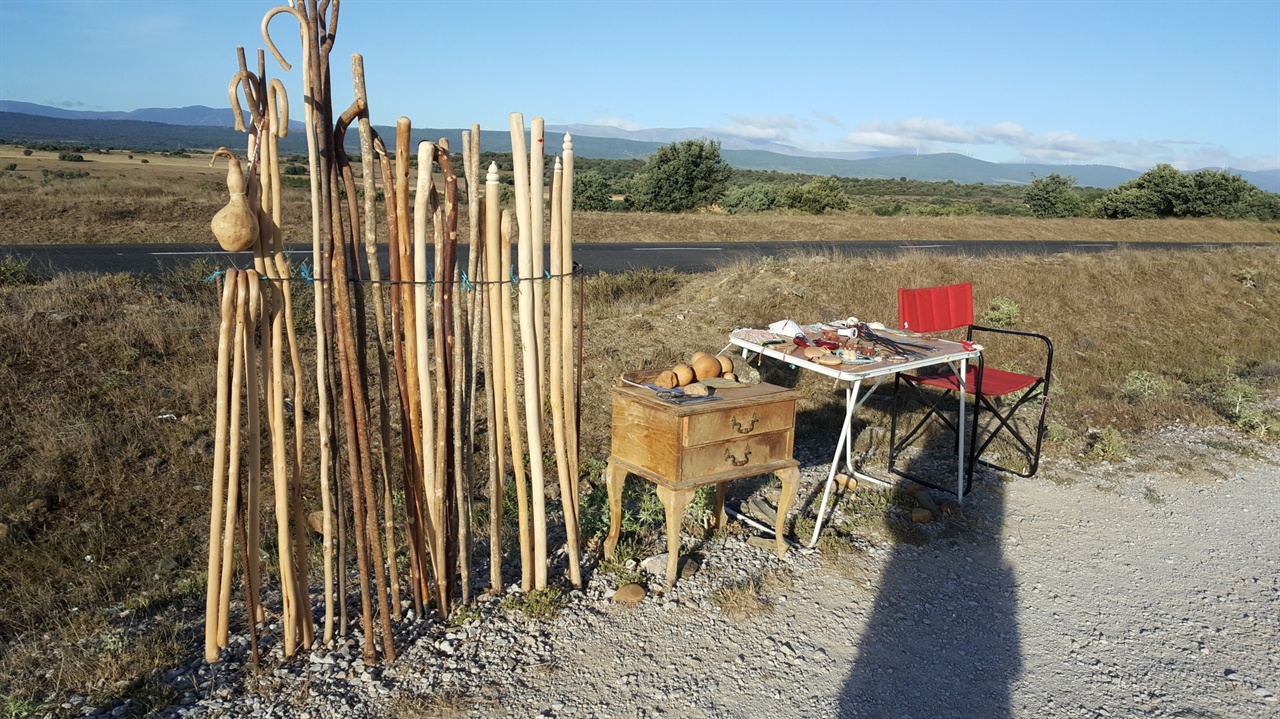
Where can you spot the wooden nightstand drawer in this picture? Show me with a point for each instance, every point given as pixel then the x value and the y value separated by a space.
pixel 739 455
pixel 737 423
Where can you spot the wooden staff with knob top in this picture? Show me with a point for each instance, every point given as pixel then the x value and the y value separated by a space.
pixel 556 381
pixel 493 275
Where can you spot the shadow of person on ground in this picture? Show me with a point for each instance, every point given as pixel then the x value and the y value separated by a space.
pixel 942 638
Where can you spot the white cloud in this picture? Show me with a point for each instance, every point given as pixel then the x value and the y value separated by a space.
pixel 761 127
pixel 1054 146
pixel 828 118
pixel 618 123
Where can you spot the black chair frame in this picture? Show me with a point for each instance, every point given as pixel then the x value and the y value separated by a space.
pixel 981 403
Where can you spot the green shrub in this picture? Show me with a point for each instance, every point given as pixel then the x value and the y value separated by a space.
pixel 11 166
pixel 1106 445
pixel 591 192
pixel 26 152
pixel 70 157
pixel 817 196
pixel 756 197
pixel 1141 384
pixel 1003 312
pixel 15 271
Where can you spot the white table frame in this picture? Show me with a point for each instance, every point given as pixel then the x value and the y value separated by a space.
pixel 853 375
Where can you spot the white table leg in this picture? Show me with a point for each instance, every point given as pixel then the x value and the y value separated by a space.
pixel 851 405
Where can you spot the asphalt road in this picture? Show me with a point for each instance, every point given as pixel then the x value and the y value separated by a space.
pixel 594 257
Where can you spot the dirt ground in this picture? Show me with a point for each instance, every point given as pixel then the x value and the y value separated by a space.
pixel 1084 592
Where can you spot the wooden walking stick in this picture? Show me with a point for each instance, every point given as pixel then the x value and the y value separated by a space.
pixel 213 588
pixel 427 408
pixel 566 327
pixel 528 340
pixel 537 164
pixel 442 328
pixel 494 276
pixel 233 474
pixel 459 404
pixel 411 439
pixel 350 317
pixel 253 522
pixel 455 355
pixel 380 342
pixel 476 337
pixel 319 266
pixel 277 117
pixel 556 381
pixel 513 419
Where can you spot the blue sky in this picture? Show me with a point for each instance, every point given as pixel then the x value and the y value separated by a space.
pixel 1195 84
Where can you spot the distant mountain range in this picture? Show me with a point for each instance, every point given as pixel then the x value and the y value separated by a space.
pixel 201 127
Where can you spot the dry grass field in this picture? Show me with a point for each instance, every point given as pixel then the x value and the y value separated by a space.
pixel 106 390
pixel 168 199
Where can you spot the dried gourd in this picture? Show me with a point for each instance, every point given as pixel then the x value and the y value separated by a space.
pixel 236 225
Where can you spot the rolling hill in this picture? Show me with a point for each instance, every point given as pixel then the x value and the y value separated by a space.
pixel 200 127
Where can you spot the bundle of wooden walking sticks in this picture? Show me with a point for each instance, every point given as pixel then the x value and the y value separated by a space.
pixel 450 335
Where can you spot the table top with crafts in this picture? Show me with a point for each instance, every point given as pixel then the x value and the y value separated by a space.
pixel 851 351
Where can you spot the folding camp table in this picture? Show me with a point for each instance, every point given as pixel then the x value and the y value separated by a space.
pixel 924 352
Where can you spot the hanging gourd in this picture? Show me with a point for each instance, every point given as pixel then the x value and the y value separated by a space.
pixel 236 225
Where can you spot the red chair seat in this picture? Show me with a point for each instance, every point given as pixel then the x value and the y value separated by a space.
pixel 995 382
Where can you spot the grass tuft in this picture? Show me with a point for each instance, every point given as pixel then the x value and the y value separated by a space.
pixel 1142 385
pixel 1106 445
pixel 539 605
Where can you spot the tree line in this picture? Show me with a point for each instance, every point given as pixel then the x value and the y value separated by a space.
pixel 692 174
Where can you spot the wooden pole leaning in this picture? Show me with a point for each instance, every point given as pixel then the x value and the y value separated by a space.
pixel 320 274
pixel 352 333
pixel 446 372
pixel 427 405
pixel 529 306
pixel 496 378
pixel 513 418
pixel 253 539
pixel 566 327
pixel 222 419
pixel 410 437
pixel 277 125
pixel 457 341
pixel 537 219
pixel 233 473
pixel 556 381
pixel 380 337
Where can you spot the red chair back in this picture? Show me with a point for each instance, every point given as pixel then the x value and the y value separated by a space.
pixel 935 309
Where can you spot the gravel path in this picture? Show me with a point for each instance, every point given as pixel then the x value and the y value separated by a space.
pixel 1145 589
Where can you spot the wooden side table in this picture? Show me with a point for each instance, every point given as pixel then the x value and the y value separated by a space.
pixel 750 431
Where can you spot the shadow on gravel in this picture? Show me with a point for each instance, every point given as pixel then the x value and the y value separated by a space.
pixel 942 639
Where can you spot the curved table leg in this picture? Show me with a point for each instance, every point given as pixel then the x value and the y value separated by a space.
pixel 674 501
pixel 614 476
pixel 790 478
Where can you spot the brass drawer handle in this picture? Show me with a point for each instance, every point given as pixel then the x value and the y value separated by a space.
pixel 746 456
pixel 744 430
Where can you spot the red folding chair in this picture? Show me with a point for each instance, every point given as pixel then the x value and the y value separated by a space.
pixel 930 310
